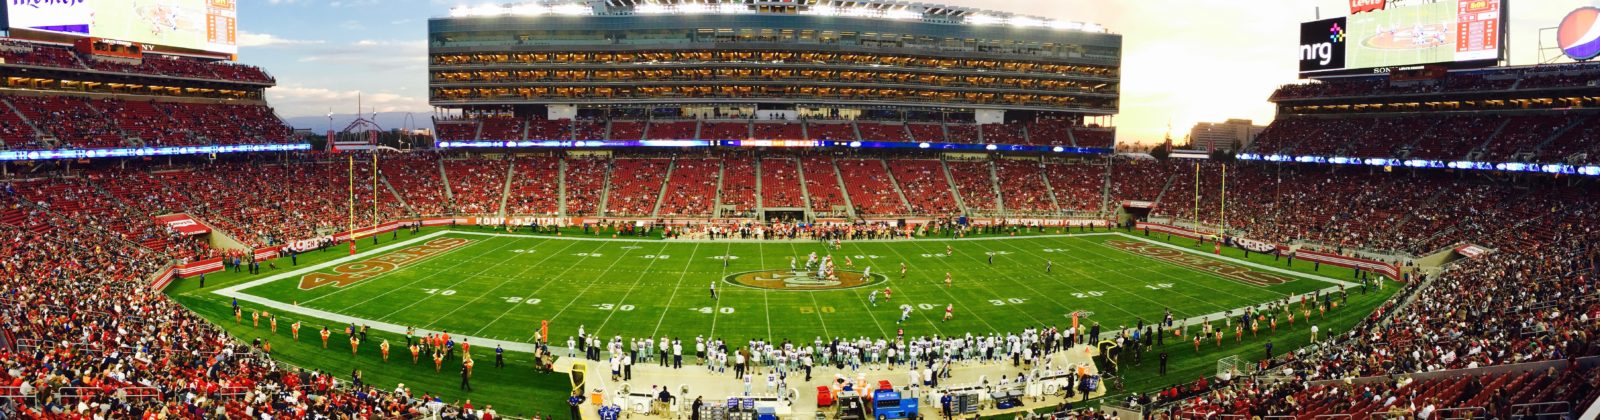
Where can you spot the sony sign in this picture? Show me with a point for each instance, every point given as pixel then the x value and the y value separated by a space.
pixel 1322 45
pixel 1361 6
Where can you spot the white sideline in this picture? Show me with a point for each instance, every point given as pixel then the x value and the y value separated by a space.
pixel 236 291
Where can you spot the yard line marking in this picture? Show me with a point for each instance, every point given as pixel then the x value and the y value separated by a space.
pixel 1085 274
pixel 500 284
pixel 635 285
pixel 425 298
pixel 766 303
pixel 815 306
pixel 668 307
pixel 982 285
pixel 625 252
pixel 889 279
pixel 541 287
pixel 769 241
pixel 953 299
pixel 725 263
pixel 1170 276
pixel 397 270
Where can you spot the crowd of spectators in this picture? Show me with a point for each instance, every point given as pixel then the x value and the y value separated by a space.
pixel 871 189
pixel 924 186
pixel 693 181
pixel 822 185
pixel 585 178
pixel 780 183
pixel 739 184
pixel 1021 184
pixel 636 186
pixel 16 51
pixel 476 184
pixel 70 120
pixel 535 188
pixel 415 176
pixel 976 184
pixel 91 341
pixel 1532 299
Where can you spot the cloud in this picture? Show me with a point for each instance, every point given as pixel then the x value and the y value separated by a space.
pixel 252 39
pixel 298 100
pixel 378 56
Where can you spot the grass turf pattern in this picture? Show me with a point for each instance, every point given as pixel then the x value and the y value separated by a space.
pixel 502 286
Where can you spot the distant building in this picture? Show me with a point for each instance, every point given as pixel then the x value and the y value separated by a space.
pixel 1214 136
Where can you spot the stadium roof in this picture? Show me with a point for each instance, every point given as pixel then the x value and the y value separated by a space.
pixel 879 9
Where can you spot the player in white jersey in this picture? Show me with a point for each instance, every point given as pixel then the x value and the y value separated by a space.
pixel 905 313
pixel 873 297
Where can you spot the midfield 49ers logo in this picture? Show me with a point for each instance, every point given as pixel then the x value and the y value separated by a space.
pixel 793 280
pixel 351 273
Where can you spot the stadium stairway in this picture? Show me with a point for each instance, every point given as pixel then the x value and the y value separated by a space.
pixel 994 183
pixel 759 202
pixel 398 198
pixel 716 203
pixel 849 207
pixel 898 192
pixel 605 187
pixel 505 193
pixel 1482 148
pixel 561 187
pixel 449 196
pixel 12 108
pixel 1575 123
pixel 661 195
pixel 1050 190
pixel 14 217
pixel 951 181
pixel 805 194
pixel 1162 195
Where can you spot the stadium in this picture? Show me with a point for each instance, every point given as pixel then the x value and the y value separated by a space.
pixel 831 209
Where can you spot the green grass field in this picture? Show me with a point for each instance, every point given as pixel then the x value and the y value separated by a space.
pixel 499 287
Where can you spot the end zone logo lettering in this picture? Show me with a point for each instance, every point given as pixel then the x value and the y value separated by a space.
pixel 350 273
pixel 1206 264
pixel 1322 45
pixel 792 280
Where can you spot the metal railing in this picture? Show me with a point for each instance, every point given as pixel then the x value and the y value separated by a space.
pixel 1557 409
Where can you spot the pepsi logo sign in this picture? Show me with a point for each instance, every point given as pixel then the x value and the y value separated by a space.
pixel 1579 34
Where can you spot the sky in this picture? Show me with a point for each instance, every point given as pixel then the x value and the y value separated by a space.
pixel 1184 61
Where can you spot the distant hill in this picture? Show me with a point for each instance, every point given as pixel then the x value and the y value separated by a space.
pixel 390 120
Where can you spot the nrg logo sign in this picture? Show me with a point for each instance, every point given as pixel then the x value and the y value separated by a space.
pixel 1322 45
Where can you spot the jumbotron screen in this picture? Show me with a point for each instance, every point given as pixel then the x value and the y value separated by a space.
pixel 1450 31
pixel 205 25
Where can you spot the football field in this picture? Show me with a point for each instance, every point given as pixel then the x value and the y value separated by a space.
pixel 501 286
